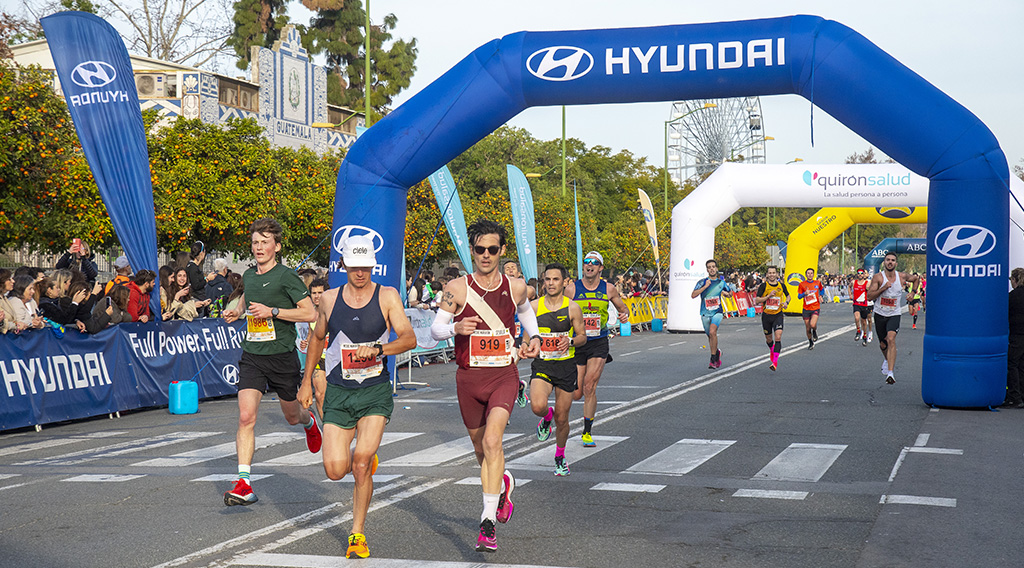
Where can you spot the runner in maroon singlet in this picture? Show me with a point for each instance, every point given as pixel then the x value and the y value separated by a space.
pixel 484 305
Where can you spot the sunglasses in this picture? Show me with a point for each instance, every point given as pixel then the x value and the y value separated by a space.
pixel 591 261
pixel 493 249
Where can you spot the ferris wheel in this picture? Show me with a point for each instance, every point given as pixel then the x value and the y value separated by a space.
pixel 704 133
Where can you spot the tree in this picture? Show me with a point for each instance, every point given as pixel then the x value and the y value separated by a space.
pixel 257 23
pixel 182 31
pixel 338 31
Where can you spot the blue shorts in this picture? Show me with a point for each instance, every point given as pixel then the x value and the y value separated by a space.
pixel 715 319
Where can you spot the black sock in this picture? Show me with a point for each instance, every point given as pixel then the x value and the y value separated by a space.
pixel 771 346
pixel 915 319
pixel 587 423
pixel 778 346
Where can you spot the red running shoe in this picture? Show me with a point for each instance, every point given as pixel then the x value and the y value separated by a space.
pixel 314 439
pixel 240 494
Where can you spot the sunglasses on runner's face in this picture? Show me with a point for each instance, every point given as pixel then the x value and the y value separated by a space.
pixel 591 261
pixel 493 249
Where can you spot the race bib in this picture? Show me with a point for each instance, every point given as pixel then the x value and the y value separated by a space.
pixel 887 302
pixel 259 329
pixel 592 324
pixel 811 298
pixel 358 369
pixel 549 345
pixel 773 303
pixel 490 348
pixel 519 329
pixel 712 303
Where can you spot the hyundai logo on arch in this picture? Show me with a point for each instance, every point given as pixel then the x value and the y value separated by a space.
pixel 560 63
pixel 965 241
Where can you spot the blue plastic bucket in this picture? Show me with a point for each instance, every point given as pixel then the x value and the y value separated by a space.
pixel 184 397
pixel 656 324
pixel 625 330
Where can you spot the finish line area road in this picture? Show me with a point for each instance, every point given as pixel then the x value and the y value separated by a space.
pixel 819 464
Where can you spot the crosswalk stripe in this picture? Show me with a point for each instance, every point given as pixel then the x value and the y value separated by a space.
pixel 304 458
pixel 56 442
pixel 628 487
pixel 544 458
pixel 219 451
pixel 681 458
pixel 232 477
pixel 771 494
pixel 917 500
pixel 436 455
pixel 801 462
pixel 116 450
pixel 102 478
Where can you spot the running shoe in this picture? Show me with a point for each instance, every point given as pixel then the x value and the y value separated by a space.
pixel 314 439
pixel 522 399
pixel 711 362
pixel 718 359
pixel 240 494
pixel 814 333
pixel 885 366
pixel 859 334
pixel 543 431
pixel 810 344
pixel 773 366
pixel 486 542
pixel 357 546
pixel 505 506
pixel 373 467
pixel 913 326
pixel 561 468
pixel 870 335
pixel 890 380
pixel 865 342
pixel 588 440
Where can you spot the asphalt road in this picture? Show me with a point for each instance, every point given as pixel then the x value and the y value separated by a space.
pixel 819 464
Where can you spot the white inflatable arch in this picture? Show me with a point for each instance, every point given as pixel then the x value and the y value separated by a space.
pixel 796 185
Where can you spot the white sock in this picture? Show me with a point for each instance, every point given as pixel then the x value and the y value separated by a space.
pixel 243 472
pixel 490 507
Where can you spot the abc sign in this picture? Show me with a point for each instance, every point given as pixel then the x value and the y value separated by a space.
pixel 343 233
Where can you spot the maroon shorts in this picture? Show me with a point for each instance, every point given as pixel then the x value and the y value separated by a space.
pixel 482 389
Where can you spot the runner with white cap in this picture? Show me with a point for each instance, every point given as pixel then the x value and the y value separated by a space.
pixel 358 318
pixel 593 294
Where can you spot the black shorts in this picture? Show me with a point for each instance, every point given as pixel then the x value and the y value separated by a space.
pixel 560 374
pixel 864 311
pixel 885 324
pixel 593 349
pixel 278 372
pixel 808 313
pixel 914 301
pixel 772 322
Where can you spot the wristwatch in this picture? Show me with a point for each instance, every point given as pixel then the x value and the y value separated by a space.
pixel 380 349
pixel 274 312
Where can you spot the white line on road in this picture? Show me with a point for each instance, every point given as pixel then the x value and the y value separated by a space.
pixel 628 487
pixel 630 353
pixel 311 561
pixel 676 343
pixel 656 347
pixel 771 494
pixel 116 450
pixel 58 442
pixel 916 500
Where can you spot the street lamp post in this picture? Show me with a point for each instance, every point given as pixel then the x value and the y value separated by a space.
pixel 667 122
pixel 366 82
pixel 732 152
pixel 331 124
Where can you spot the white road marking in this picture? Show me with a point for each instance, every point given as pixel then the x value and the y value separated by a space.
pixel 771 494
pixel 102 478
pixel 680 458
pixel 520 481
pixel 219 451
pixel 436 455
pixel 655 347
pixel 544 459
pixel 377 478
pixel 232 477
pixel 801 462
pixel 56 442
pixel 628 487
pixel 630 353
pixel 116 450
pixel 304 458
pixel 916 500
pixel 676 343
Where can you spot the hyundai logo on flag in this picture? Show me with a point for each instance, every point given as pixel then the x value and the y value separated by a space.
pixel 230 374
pixel 343 233
pixel 93 74
pixel 560 63
pixel 965 241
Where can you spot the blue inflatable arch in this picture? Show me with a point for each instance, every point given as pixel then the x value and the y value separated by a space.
pixel 834 67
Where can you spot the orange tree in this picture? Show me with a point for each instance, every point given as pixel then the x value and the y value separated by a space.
pixel 740 248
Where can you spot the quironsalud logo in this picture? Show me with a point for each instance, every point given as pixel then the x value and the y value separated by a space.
pixel 688 264
pixel 810 177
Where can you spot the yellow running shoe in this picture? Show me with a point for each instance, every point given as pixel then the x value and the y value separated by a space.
pixel 588 440
pixel 357 546
pixel 373 465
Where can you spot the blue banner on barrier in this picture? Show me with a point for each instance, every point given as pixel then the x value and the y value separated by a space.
pixel 46 379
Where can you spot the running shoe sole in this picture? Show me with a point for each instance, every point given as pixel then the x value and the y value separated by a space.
pixel 314 437
pixel 890 380
pixel 522 399
pixel 230 499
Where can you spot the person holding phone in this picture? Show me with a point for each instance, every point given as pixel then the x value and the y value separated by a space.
pixel 79 257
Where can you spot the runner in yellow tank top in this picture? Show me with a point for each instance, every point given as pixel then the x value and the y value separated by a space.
pixel 775 297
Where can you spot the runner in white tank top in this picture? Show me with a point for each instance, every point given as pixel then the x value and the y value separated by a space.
pixel 887 288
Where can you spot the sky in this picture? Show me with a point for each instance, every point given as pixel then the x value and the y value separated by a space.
pixel 969 50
